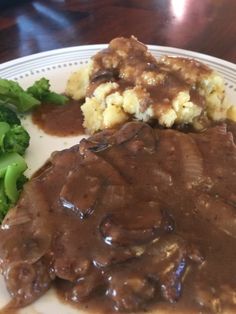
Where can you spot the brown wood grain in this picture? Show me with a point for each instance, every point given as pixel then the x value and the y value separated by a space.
pixel 206 26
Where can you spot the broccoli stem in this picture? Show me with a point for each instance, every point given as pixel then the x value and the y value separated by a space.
pixel 4 202
pixel 12 165
pixel 4 127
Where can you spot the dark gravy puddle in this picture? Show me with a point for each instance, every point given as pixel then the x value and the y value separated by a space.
pixel 66 120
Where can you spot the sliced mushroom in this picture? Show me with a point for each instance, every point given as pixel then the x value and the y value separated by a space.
pixel 26 282
pixel 165 262
pixel 68 268
pixel 85 286
pixel 136 226
pixel 104 75
pixel 130 291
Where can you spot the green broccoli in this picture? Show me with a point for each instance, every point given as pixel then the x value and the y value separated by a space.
pixel 13 172
pixel 4 128
pixel 5 203
pixel 12 166
pixel 12 94
pixel 13 138
pixel 41 90
pixel 8 115
pixel 16 139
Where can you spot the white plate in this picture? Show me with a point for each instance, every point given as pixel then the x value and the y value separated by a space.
pixel 56 65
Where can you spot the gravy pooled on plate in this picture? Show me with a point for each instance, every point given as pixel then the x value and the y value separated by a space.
pixel 64 120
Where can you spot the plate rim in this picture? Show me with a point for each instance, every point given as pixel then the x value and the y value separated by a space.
pixel 69 49
pixel 95 48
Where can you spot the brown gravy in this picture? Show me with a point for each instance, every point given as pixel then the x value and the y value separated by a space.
pixel 157 82
pixel 66 120
pixel 130 220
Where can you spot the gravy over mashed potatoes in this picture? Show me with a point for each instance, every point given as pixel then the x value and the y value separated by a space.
pixel 125 81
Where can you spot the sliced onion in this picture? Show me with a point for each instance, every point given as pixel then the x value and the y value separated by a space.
pixel 191 159
pixel 218 213
pixel 28 247
pixel 15 217
pixel 37 246
pixel 221 129
pixel 220 133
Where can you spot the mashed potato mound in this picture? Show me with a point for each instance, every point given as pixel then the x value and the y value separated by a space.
pixel 126 82
pixel 78 82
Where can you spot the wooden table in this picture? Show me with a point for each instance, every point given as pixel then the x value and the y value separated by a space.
pixel 207 26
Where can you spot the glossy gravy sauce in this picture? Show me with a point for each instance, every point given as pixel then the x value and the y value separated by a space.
pixel 66 120
pixel 133 220
pixel 128 63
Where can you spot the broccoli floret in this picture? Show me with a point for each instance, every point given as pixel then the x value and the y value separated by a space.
pixel 41 90
pixel 12 167
pixel 9 116
pixel 11 93
pixel 16 140
pixel 13 138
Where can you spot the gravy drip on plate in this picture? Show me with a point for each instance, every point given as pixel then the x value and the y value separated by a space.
pixel 66 120
pixel 129 220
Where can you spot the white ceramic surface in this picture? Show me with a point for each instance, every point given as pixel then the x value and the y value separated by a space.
pixel 57 65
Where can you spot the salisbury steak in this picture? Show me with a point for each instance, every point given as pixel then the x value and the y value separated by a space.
pixel 134 217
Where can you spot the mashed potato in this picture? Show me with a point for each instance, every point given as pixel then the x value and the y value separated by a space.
pixel 126 82
pixel 78 82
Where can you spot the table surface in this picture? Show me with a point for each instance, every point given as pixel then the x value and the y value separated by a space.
pixel 206 26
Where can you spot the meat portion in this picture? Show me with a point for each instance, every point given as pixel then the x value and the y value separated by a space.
pixel 136 217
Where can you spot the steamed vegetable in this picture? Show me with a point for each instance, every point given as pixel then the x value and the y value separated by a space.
pixel 8 115
pixel 14 140
pixel 12 166
pixel 4 128
pixel 12 94
pixel 5 203
pixel 41 91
